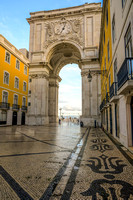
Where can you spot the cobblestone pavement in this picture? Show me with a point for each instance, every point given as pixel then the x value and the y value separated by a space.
pixel 63 162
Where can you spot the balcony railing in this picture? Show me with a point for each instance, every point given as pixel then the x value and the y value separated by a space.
pixel 107 97
pixel 15 106
pixel 113 89
pixel 24 108
pixel 4 105
pixel 102 104
pixel 126 72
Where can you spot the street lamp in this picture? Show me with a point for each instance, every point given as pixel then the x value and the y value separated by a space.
pixel 100 71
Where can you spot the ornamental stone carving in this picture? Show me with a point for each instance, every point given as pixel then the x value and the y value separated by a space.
pixel 38 76
pixel 70 29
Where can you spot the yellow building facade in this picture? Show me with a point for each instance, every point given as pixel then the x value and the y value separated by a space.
pixel 13 84
pixel 116 61
pixel 106 67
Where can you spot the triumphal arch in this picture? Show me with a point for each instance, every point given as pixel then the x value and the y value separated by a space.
pixel 59 37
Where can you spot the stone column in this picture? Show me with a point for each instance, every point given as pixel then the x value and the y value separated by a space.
pixel 38 100
pixel 53 98
pixel 90 98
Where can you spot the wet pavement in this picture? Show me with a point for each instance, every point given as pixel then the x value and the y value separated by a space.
pixel 63 162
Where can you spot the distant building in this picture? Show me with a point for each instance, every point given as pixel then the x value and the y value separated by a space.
pixel 13 84
pixel 117 110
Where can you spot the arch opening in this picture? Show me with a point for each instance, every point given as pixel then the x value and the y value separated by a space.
pixel 70 92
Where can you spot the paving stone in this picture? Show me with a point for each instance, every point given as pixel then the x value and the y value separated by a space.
pixel 60 162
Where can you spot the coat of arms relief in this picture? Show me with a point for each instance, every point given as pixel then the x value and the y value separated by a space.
pixel 70 29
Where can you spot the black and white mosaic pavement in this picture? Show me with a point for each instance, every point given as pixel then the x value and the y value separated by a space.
pixel 63 162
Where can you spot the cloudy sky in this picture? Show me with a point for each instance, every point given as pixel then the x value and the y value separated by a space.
pixel 15 28
pixel 70 90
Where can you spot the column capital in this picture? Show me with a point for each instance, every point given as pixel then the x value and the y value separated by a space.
pixel 55 77
pixel 39 76
pixel 92 71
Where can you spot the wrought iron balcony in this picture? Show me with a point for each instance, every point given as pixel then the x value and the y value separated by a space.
pixel 107 97
pixel 113 89
pixel 15 106
pixel 4 105
pixel 24 108
pixel 125 75
pixel 102 104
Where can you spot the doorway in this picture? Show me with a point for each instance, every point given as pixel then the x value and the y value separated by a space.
pixel 116 130
pixel 107 118
pixel 23 118
pixel 14 118
pixel 110 120
pixel 132 119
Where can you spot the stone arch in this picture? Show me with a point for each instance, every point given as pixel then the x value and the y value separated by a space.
pixel 59 37
pixel 52 46
pixel 62 53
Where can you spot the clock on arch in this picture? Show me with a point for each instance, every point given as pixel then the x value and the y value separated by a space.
pixel 64 27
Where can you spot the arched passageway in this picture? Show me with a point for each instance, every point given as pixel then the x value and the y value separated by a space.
pixel 59 56
pixel 55 41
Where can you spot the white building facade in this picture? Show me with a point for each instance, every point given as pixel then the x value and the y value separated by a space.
pixel 122 60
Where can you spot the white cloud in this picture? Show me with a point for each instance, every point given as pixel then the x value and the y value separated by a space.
pixel 72 68
pixel 63 101
pixel 68 88
pixel 5 31
pixel 71 108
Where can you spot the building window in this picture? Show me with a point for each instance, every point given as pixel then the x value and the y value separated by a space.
pixel 30 80
pixel 128 43
pixel 29 104
pixel 113 29
pixel 123 3
pixel 106 89
pixel 105 62
pixel 25 70
pixel 17 64
pixel 7 58
pixel 107 16
pixel 6 78
pixel 115 70
pixel 5 97
pixel 109 82
pixel 24 86
pixel 104 36
pixel 29 91
pixel 24 101
pixel 108 51
pixel 3 116
pixel 16 82
pixel 15 100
